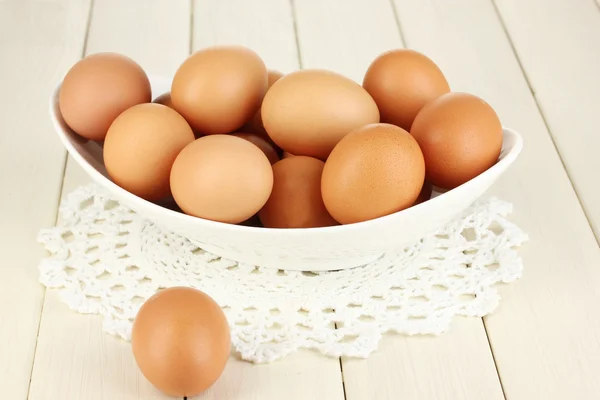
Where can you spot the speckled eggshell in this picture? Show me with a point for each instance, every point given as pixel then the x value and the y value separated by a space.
pixel 296 200
pixel 401 82
pixel 181 341
pixel 460 136
pixel 374 171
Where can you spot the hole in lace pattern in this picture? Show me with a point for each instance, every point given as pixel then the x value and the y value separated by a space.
pixel 276 326
pixel 366 318
pixel 132 268
pixel 69 270
pixel 493 267
pixel 274 311
pixel 348 338
pixel 104 276
pixel 393 308
pixel 95 235
pixel 111 204
pixel 467 297
pixel 309 274
pixel 303 327
pixel 303 312
pixel 352 305
pixel 68 236
pixel 419 299
pixel 137 300
pixel 86 203
pixel 416 317
pixel 243 323
pixel 118 288
pixel 496 228
pixel 469 234
pixel 328 311
pixel 93 249
pixel 439 288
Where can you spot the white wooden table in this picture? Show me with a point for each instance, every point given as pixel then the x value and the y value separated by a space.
pixel 536 61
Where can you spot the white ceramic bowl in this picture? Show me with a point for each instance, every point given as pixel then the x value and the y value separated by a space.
pixel 317 249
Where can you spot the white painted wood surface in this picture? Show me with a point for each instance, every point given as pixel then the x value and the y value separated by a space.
pixel 37 43
pixel 558 43
pixel 545 336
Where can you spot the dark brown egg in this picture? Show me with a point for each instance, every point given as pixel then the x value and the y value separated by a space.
pixel 373 171
pixel 296 200
pixel 220 88
pixel 460 136
pixel 164 99
pixel 99 88
pixel 262 144
pixel 141 146
pixel 181 341
pixel 401 82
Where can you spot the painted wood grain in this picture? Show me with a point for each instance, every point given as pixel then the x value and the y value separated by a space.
pixel 37 42
pixel 75 359
pixel 267 28
pixel 545 334
pixel 558 43
pixel 346 37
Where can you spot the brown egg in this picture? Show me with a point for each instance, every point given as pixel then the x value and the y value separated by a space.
pixel 296 200
pixel 181 341
pixel 401 82
pixel 97 89
pixel 255 125
pixel 460 136
pixel 374 171
pixel 307 112
pixel 262 144
pixel 141 146
pixel 222 178
pixel 164 99
pixel 220 88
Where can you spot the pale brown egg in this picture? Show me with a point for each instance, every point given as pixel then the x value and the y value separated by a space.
pixel 220 88
pixel 373 171
pixel 460 136
pixel 296 200
pixel 141 146
pixel 221 178
pixel 262 144
pixel 97 89
pixel 164 99
pixel 255 125
pixel 401 82
pixel 181 341
pixel 307 112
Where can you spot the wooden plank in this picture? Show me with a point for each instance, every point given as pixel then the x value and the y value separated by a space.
pixel 75 359
pixel 544 336
pixel 267 28
pixel 38 41
pixel 558 44
pixel 346 37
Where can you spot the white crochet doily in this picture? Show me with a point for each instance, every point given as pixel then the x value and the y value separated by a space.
pixel 105 259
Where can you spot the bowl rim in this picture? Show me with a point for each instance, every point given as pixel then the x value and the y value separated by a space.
pixel 507 157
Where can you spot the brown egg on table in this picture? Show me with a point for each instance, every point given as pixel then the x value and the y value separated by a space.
pixel 218 89
pixel 181 341
pixel 401 82
pixel 373 171
pixel 255 125
pixel 460 136
pixel 164 99
pixel 308 112
pixel 141 146
pixel 265 146
pixel 221 178
pixel 296 200
pixel 97 89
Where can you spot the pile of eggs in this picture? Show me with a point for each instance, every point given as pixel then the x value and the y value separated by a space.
pixel 233 141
